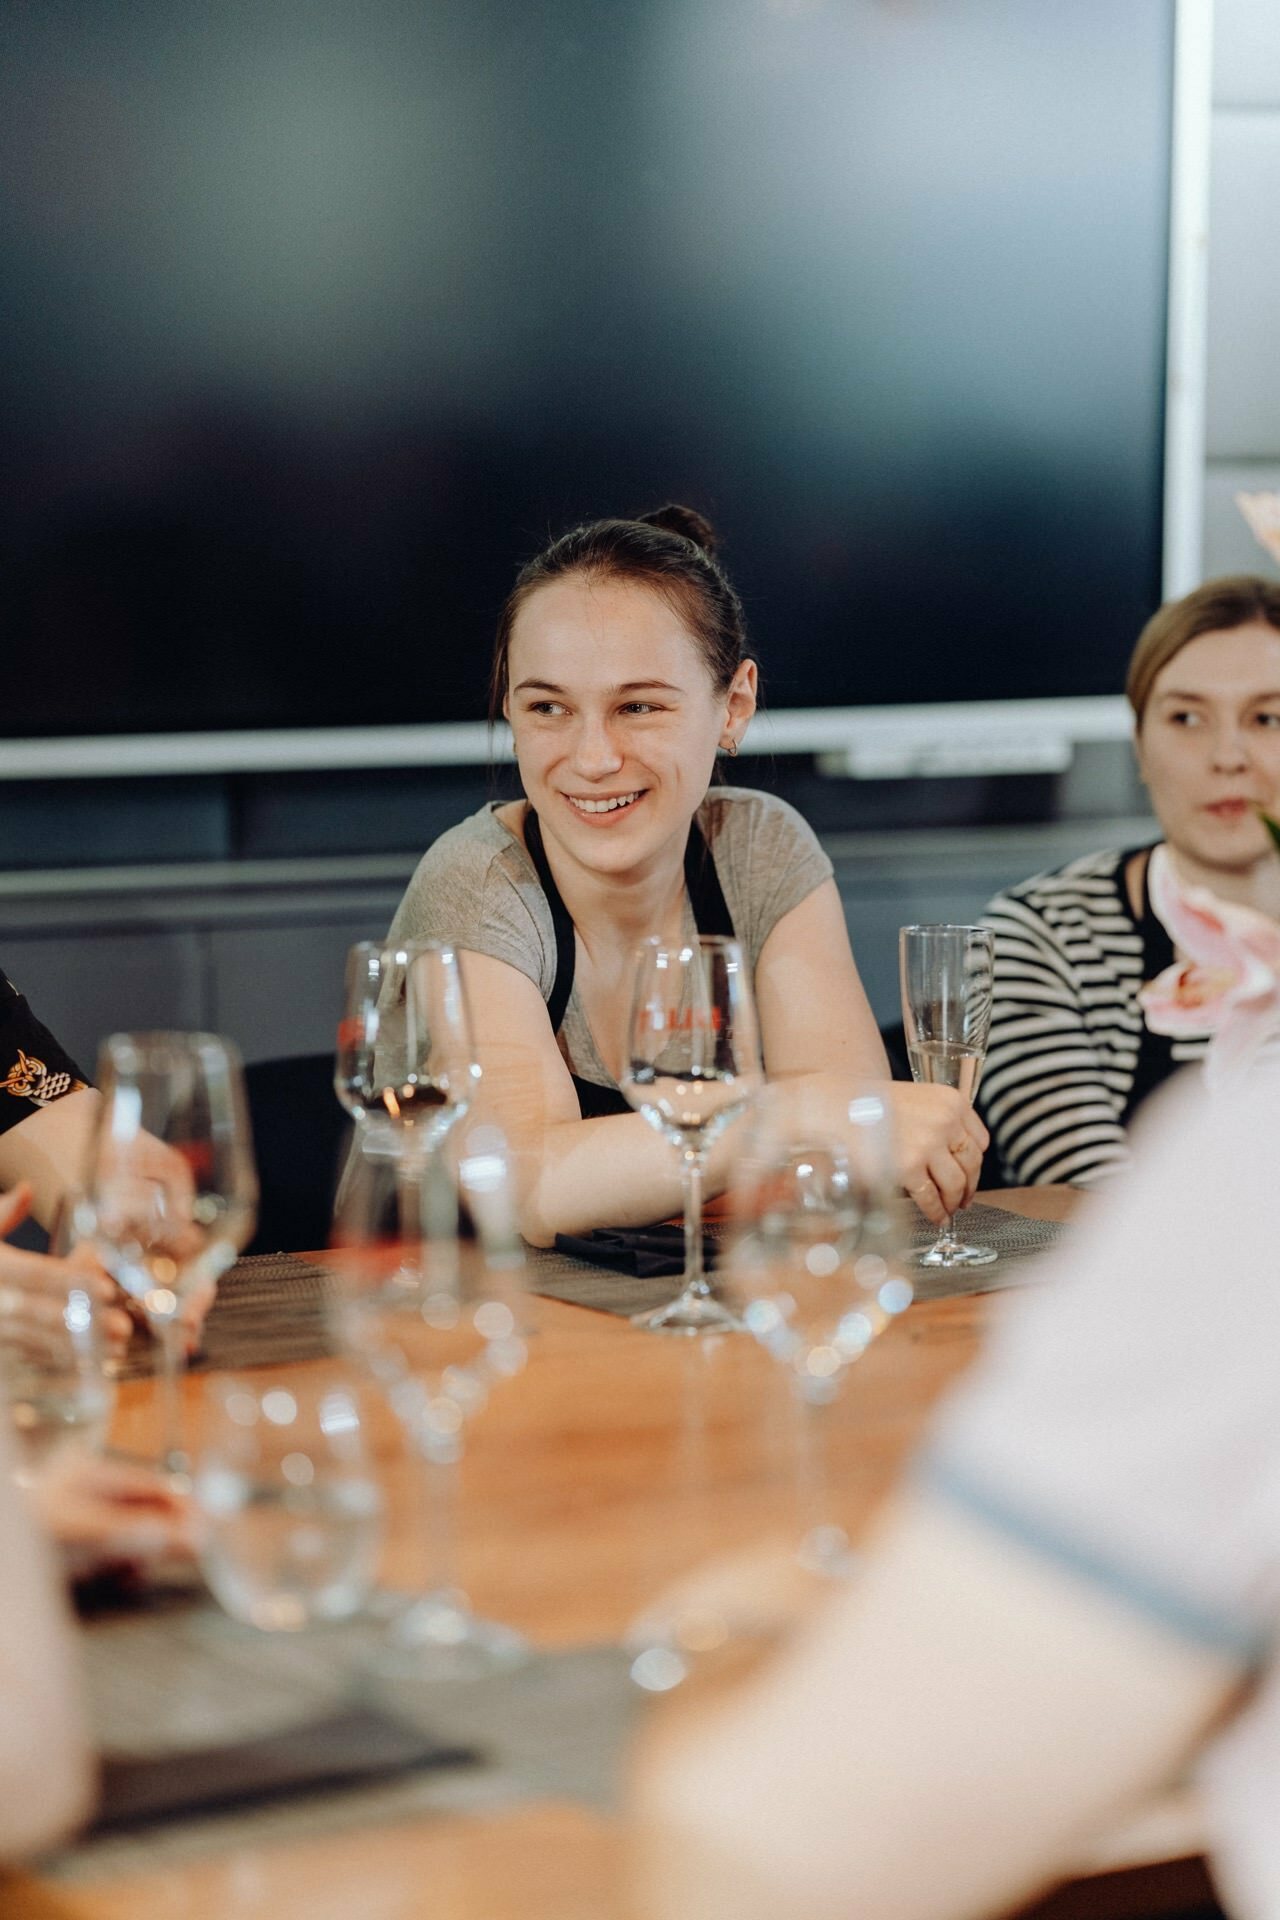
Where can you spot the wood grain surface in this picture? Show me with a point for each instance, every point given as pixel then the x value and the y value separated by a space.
pixel 615 1464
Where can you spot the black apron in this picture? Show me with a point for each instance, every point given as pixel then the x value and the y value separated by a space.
pixel 710 914
pixel 1155 1062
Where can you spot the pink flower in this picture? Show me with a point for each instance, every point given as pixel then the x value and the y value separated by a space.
pixel 1229 984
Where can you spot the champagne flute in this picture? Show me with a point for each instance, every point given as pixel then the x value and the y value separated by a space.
pixel 947 975
pixel 693 1065
pixel 814 1266
pixel 170 1193
pixel 432 1306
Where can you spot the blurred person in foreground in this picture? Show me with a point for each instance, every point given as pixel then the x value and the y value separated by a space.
pixel 45 1774
pixel 1075 1596
pixel 1071 1058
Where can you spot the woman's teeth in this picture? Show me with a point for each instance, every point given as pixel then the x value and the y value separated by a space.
pixel 602 806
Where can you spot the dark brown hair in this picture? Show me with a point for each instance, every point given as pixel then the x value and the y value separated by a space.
pixel 1236 600
pixel 672 552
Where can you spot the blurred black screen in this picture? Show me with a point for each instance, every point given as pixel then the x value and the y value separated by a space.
pixel 321 317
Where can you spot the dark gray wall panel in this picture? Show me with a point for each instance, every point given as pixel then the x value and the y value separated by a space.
pixel 278 990
pixel 86 987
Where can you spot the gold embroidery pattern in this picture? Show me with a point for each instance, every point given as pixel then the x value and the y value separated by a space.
pixel 30 1079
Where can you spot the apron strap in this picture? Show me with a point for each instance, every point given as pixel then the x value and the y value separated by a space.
pixel 706 896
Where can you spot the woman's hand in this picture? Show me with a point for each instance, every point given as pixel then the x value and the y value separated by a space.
pixel 109 1515
pixel 939 1143
pixel 34 1286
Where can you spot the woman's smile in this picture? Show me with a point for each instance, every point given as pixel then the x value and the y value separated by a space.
pixel 603 809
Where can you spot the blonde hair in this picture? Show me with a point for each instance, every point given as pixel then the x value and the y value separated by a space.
pixel 1236 600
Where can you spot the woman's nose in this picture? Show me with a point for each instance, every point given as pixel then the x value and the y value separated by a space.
pixel 1230 748
pixel 595 751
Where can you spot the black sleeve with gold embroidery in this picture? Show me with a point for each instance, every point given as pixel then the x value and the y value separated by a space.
pixel 34 1070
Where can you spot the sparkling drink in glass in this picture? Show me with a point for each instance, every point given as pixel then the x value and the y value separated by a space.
pixel 947 975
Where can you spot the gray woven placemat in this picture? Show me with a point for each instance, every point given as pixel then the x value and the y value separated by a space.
pixel 271 1309
pixel 181 1675
pixel 274 1308
pixel 1017 1241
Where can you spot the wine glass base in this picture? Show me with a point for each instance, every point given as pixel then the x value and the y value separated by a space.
pixel 689 1313
pixel 439 1639
pixel 953 1255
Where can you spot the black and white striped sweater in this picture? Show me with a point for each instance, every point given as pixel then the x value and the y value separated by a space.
pixel 1071 1057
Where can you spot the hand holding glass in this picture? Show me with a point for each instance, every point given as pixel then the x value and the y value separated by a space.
pixel 170 1192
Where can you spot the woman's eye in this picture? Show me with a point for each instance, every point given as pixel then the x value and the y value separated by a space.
pixel 545 708
pixel 639 706
pixel 1184 717
pixel 1268 720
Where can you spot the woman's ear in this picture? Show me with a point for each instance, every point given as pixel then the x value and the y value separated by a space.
pixel 740 699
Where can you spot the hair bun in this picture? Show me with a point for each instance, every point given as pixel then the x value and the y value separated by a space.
pixel 684 520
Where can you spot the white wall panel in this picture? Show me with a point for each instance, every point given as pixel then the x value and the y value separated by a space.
pixel 1246 53
pixel 1243 418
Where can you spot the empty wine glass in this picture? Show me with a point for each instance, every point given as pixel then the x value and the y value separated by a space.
pixel 169 1194
pixel 405 1052
pixel 814 1267
pixel 431 1304
pixel 947 976
pixel 292 1513
pixel 693 1065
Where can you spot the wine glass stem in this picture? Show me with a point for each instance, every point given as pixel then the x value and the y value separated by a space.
pixel 167 1331
pixel 441 1457
pixel 812 1462
pixel 695 1280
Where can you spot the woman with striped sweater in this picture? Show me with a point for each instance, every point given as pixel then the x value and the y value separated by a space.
pixel 1071 1057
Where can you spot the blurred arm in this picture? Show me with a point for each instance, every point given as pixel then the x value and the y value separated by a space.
pixel 942 1745
pixel 45 1775
pixel 48 1150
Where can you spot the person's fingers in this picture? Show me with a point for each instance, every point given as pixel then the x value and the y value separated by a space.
pixel 14 1207
pixel 928 1199
pixel 949 1177
pixel 125 1482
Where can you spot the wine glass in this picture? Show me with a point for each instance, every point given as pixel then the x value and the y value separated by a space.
pixel 169 1194
pixel 53 1370
pixel 692 1066
pixel 291 1509
pixel 814 1265
pixel 405 1052
pixel 947 975
pixel 432 1305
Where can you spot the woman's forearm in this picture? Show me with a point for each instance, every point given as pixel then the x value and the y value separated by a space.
pixel 563 1177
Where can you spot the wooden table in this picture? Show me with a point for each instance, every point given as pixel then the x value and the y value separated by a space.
pixel 616 1463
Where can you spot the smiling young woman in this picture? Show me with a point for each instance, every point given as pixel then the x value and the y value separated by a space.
pixel 1071 1058
pixel 620 664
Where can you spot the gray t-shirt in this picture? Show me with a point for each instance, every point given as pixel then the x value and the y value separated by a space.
pixel 477 889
